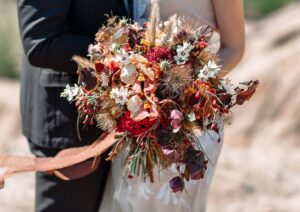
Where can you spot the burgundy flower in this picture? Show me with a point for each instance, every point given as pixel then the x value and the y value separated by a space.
pixel 197 166
pixel 163 136
pixel 87 78
pixel 99 67
pixel 176 184
pixel 158 54
pixel 196 171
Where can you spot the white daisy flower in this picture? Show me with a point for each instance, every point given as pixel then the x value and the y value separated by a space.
pixel 123 57
pixel 227 85
pixel 93 49
pixel 209 71
pixel 70 92
pixel 180 60
pixel 183 53
pixel 120 95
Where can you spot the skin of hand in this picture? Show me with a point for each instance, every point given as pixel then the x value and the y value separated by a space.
pixel 231 26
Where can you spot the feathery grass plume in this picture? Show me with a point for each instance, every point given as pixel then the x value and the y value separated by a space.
pixel 188 24
pixel 104 36
pixel 83 62
pixel 154 21
pixel 205 31
pixel 105 121
pixel 110 112
pixel 168 30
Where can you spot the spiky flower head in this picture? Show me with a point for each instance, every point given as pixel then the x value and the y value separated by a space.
pixel 175 80
pixel 165 65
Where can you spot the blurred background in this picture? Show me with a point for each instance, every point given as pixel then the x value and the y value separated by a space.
pixel 259 166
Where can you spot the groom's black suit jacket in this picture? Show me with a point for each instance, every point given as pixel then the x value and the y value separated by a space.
pixel 52 31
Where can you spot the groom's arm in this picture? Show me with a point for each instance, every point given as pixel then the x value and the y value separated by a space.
pixel 45 34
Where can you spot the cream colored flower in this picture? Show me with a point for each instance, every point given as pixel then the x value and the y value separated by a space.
pixel 70 92
pixel 147 71
pixel 209 71
pixel 183 53
pixel 120 95
pixel 129 74
pixel 137 58
pixel 134 105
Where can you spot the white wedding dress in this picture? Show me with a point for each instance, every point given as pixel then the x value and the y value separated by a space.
pixel 135 195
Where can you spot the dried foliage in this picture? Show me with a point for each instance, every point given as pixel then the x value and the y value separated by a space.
pixel 156 85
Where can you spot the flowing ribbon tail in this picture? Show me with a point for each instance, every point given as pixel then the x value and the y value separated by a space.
pixel 65 158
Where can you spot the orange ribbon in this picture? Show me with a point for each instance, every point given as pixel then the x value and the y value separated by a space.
pixel 64 159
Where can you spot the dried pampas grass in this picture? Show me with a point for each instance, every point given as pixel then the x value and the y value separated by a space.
pixel 105 121
pixel 83 62
pixel 153 24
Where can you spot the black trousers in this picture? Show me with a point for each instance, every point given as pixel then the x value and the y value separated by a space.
pixel 56 195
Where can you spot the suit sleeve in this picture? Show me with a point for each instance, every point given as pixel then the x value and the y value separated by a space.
pixel 45 34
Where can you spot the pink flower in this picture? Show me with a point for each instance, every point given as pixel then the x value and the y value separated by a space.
pixel 177 118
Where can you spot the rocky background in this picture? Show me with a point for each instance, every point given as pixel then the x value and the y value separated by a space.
pixel 258 169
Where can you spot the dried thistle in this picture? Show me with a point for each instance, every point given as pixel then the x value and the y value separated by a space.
pixel 153 24
pixel 175 80
pixel 108 114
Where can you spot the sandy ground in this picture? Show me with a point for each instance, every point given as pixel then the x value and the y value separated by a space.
pixel 259 166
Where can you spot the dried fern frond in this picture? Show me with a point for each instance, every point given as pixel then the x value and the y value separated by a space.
pixel 154 21
pixel 83 62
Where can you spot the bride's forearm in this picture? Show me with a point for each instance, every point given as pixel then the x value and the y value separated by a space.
pixel 230 21
pixel 229 58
